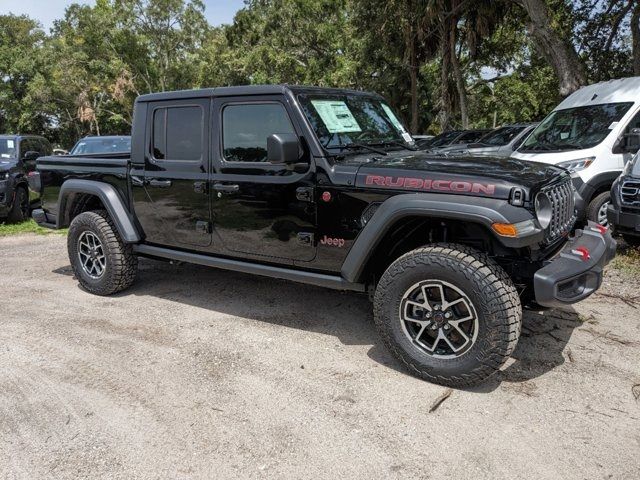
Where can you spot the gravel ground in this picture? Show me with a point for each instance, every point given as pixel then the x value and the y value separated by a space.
pixel 201 373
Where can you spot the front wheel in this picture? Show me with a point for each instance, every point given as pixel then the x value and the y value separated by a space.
pixel 101 261
pixel 597 209
pixel 449 313
pixel 20 209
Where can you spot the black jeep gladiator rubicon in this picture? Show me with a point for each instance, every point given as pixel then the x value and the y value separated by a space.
pixel 18 154
pixel 324 186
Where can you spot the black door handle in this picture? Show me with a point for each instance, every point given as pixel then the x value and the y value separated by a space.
pixel 160 183
pixel 226 187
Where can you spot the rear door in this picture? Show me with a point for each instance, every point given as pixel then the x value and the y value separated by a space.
pixel 176 211
pixel 260 210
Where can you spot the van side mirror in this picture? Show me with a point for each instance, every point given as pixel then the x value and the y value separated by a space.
pixel 632 141
pixel 283 148
pixel 628 143
pixel 30 155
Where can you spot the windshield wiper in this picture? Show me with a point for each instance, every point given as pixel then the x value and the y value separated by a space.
pixel 386 143
pixel 354 145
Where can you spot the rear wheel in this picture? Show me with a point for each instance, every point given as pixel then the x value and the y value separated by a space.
pixel 449 313
pixel 101 261
pixel 597 209
pixel 20 208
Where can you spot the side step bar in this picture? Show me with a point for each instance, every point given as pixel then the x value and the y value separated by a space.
pixel 321 280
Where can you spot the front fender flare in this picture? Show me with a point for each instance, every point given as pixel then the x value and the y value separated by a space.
pixel 483 211
pixel 111 200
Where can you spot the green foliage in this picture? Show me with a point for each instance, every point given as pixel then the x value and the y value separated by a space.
pixel 84 76
pixel 30 226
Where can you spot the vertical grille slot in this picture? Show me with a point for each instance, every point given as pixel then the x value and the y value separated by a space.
pixel 563 208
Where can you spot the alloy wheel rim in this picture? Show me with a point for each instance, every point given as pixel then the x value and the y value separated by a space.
pixel 602 214
pixel 439 319
pixel 91 255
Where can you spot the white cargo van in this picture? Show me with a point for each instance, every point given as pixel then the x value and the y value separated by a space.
pixel 589 134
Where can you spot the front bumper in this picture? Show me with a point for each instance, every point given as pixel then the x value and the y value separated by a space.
pixel 624 222
pixel 576 272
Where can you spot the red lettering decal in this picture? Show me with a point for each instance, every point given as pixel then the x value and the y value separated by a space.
pixel 461 186
pixel 413 183
pixel 427 184
pixel 390 182
pixel 374 180
pixel 481 188
pixel 441 185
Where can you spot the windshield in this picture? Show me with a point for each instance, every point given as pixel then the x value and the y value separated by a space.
pixel 575 128
pixel 101 145
pixel 7 148
pixel 343 119
pixel 444 138
pixel 501 136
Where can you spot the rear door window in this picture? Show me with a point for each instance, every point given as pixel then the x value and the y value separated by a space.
pixel 178 133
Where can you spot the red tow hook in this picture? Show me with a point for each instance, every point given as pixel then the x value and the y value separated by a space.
pixel 599 228
pixel 582 252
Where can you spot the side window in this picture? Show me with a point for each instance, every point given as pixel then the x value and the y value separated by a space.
pixel 246 127
pixel 177 133
pixel 634 123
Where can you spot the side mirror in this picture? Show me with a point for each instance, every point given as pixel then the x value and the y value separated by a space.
pixel 283 148
pixel 632 141
pixel 628 143
pixel 30 155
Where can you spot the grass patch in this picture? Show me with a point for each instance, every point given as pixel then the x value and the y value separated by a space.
pixel 627 260
pixel 29 226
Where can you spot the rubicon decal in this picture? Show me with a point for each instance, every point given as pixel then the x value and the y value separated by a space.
pixel 333 242
pixel 411 183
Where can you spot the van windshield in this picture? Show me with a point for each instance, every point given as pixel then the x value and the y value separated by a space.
pixel 575 128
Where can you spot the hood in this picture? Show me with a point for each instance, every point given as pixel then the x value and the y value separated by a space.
pixel 7 164
pixel 477 176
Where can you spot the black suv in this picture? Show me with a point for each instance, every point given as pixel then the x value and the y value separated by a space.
pixel 623 212
pixel 18 154
pixel 325 186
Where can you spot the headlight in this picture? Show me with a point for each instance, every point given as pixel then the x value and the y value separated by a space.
pixel 544 209
pixel 578 164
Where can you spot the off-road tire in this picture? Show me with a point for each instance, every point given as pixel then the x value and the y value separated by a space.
pixel 596 204
pixel 18 212
pixel 483 281
pixel 121 262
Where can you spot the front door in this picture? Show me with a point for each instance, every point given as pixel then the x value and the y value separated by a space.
pixel 260 210
pixel 175 175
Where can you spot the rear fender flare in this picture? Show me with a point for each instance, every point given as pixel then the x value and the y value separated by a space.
pixel 109 197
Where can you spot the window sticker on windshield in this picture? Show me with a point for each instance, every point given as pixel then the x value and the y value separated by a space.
pixel 5 155
pixel 336 116
pixel 10 144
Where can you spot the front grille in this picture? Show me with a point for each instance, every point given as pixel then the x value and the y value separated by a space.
pixel 563 207
pixel 630 193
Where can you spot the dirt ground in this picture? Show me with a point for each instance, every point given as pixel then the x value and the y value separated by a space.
pixel 202 373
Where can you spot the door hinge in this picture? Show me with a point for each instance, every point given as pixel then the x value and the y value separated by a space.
pixel 305 238
pixel 304 194
pixel 203 227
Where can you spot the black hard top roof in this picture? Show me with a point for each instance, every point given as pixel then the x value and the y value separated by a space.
pixel 245 90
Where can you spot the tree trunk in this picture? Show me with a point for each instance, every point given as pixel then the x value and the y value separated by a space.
pixel 445 99
pixel 414 84
pixel 635 36
pixel 457 74
pixel 558 51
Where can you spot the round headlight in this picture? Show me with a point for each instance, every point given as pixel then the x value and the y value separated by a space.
pixel 544 209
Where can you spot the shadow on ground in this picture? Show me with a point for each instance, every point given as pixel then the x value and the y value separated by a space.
pixel 346 316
